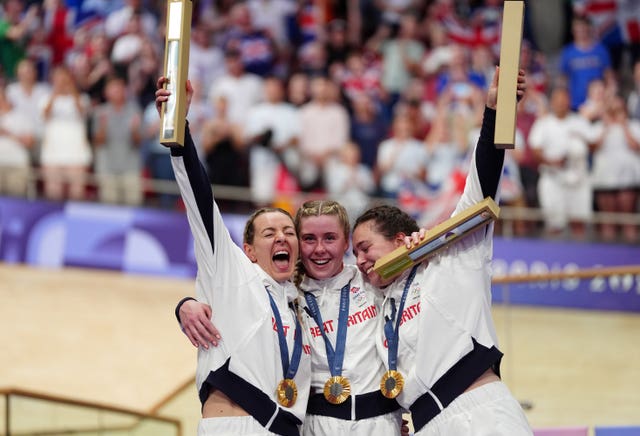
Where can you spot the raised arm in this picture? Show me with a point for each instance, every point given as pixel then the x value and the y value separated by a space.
pixel 217 256
pixel 486 165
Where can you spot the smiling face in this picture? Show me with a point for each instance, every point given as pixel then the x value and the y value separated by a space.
pixel 322 245
pixel 323 229
pixel 378 232
pixel 273 245
pixel 370 245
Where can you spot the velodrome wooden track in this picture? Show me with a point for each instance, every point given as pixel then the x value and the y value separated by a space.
pixel 112 338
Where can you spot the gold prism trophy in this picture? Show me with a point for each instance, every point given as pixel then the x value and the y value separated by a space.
pixel 510 43
pixel 176 67
pixel 438 238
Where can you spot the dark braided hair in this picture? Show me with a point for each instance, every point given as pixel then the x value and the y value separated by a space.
pixel 388 221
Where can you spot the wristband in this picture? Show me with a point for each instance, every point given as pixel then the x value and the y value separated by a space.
pixel 180 303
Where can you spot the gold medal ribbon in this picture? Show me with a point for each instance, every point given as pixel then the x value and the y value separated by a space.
pixel 287 391
pixel 392 381
pixel 337 389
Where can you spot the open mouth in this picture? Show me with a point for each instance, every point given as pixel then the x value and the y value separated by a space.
pixel 281 259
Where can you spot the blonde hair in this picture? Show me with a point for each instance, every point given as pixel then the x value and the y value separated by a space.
pixel 318 208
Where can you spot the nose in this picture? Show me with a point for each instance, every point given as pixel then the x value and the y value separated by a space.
pixel 320 247
pixel 279 236
pixel 360 259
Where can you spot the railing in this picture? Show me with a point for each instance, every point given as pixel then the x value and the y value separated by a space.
pixel 585 273
pixel 508 215
pixel 27 413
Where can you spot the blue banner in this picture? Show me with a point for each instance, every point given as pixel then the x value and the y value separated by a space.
pixel 538 256
pixel 158 242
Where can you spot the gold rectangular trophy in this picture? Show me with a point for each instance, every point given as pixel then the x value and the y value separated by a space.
pixel 176 68
pixel 510 44
pixel 438 238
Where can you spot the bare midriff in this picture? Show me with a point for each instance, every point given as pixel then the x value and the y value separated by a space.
pixel 218 404
pixel 487 377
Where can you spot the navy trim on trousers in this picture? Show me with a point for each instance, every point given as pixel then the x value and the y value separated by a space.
pixel 454 382
pixel 251 399
pixel 368 405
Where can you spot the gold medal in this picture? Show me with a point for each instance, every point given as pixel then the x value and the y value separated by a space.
pixel 391 384
pixel 287 392
pixel 337 389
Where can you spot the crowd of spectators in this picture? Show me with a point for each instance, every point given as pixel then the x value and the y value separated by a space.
pixel 354 99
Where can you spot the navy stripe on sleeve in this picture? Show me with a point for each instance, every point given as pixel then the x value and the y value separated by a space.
pixel 489 159
pixel 199 181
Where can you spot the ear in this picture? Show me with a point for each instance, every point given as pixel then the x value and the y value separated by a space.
pixel 250 252
pixel 398 241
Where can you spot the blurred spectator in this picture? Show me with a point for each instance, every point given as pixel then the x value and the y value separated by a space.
pixel 156 158
pixel 14 34
pixel 213 14
pixel 59 25
pixel 312 59
pixel 440 51
pixel 26 93
pixel 435 62
pixel 324 130
pixel 206 60
pixel 308 25
pixel 488 14
pixel 337 45
pixel 117 136
pixel 240 89
pixel 401 54
pixel 447 142
pixel 583 61
pixel 143 72
pixel 560 140
pixel 258 51
pixel 224 151
pixel 458 77
pixel 616 168
pixel 118 20
pixel 298 92
pixel 419 111
pixel 401 159
pixel 392 11
pixel 271 16
pixel 633 101
pixel 200 111
pixel 532 106
pixel 349 181
pixel 615 24
pixel 272 129
pixel 368 128
pixel 534 65
pixel 16 138
pixel 65 154
pixel 594 105
pixel 358 77
pixel 99 66
pixel 482 65
pixel 470 30
pixel 127 46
